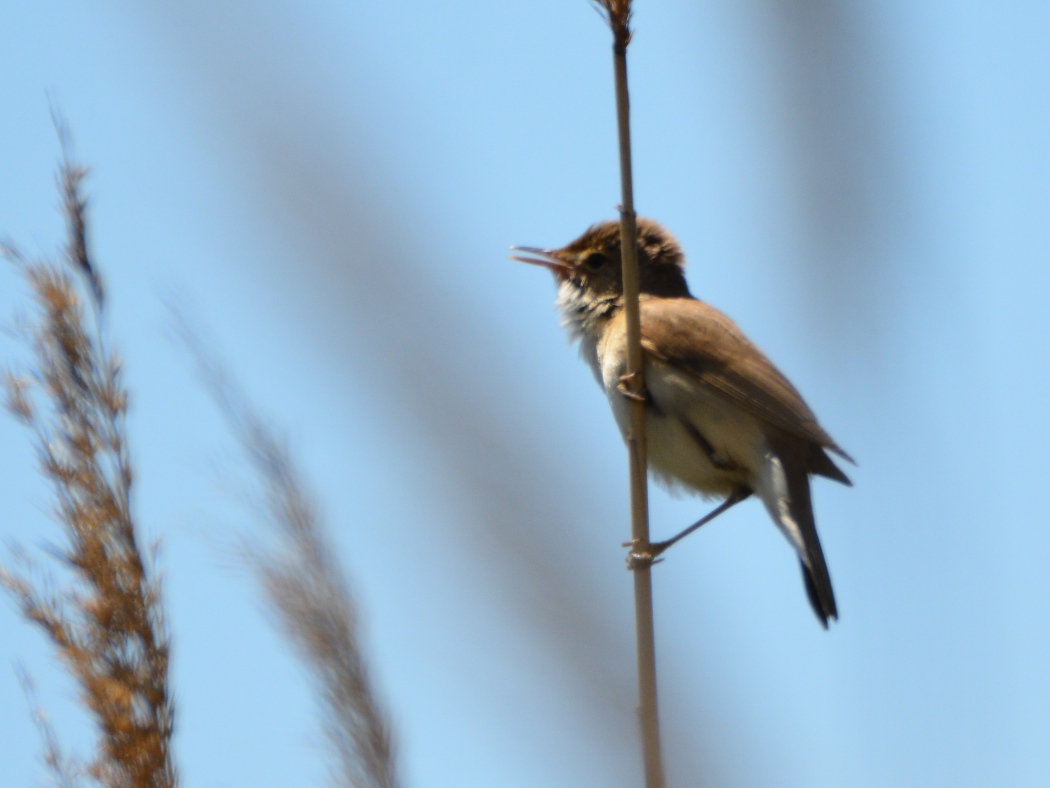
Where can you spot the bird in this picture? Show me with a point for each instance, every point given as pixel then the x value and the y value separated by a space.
pixel 721 420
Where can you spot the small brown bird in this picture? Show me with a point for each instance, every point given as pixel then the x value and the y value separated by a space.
pixel 721 419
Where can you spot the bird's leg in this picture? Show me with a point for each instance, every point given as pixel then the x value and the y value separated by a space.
pixel 637 559
pixel 738 495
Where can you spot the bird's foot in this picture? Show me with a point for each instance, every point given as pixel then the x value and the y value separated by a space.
pixel 643 556
pixel 626 386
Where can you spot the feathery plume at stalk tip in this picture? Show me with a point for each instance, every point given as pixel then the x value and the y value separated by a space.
pixel 617 13
pixel 106 619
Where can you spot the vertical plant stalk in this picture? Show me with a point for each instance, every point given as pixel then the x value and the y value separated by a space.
pixel 107 621
pixel 619 15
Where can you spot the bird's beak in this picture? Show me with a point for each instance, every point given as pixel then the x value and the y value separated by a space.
pixel 550 259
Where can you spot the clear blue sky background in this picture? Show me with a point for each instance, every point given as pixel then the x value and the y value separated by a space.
pixel 331 188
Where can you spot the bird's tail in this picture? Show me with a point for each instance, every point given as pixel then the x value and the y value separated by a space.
pixel 784 488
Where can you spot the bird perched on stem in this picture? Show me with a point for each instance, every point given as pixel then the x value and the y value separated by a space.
pixel 721 419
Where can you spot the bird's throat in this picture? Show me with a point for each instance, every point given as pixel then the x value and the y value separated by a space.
pixel 585 314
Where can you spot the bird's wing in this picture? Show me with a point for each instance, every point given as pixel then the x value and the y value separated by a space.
pixel 695 336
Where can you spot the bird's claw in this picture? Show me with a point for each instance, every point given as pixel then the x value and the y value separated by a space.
pixel 641 557
pixel 626 387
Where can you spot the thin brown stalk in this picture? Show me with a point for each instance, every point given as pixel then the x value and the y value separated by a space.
pixel 106 620
pixel 618 13
pixel 303 583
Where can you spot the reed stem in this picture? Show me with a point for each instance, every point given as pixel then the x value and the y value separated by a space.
pixel 619 12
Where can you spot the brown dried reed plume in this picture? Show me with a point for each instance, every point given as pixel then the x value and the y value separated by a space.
pixel 301 581
pixel 618 14
pixel 106 618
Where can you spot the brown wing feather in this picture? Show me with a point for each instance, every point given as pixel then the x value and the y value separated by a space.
pixel 697 337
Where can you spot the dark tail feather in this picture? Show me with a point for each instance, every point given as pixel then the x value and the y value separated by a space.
pixel 814 568
pixel 814 598
pixel 783 486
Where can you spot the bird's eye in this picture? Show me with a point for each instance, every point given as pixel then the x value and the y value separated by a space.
pixel 595 260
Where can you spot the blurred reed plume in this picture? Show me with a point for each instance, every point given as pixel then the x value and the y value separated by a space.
pixel 105 617
pixel 304 585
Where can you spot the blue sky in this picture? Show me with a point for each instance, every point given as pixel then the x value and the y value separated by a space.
pixel 330 190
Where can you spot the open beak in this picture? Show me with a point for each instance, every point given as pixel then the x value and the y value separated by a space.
pixel 547 258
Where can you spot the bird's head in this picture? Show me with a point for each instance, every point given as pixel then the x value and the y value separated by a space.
pixel 591 266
